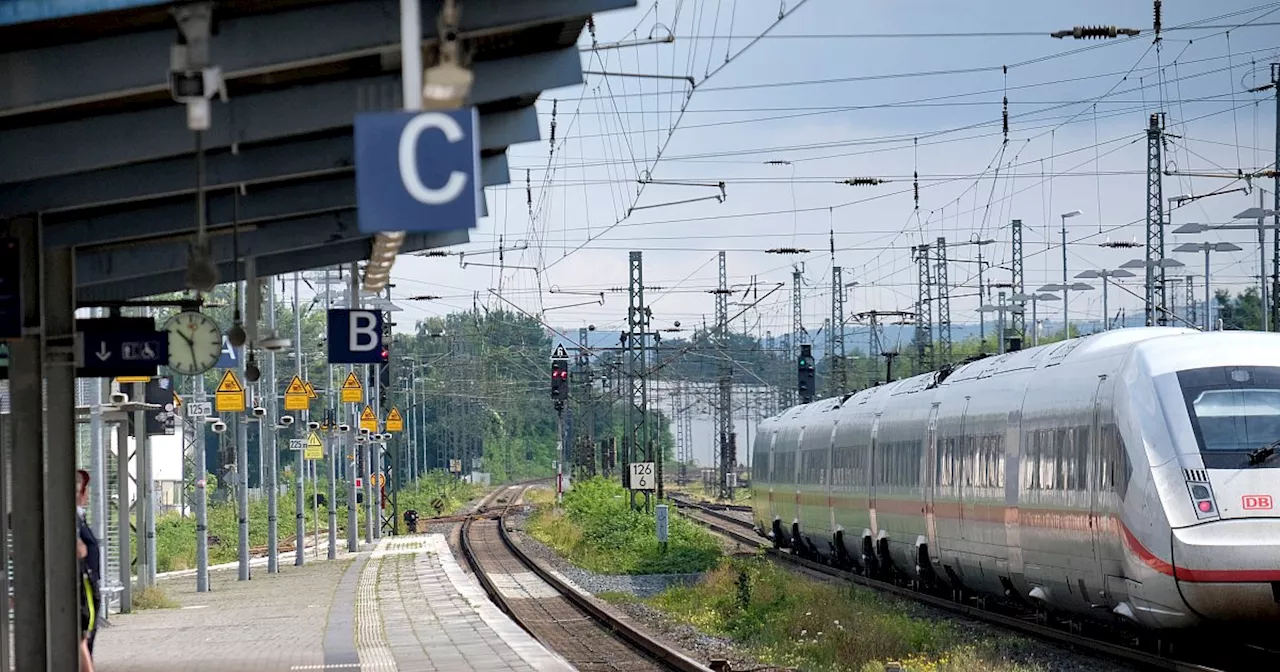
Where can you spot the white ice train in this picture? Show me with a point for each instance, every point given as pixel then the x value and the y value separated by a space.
pixel 1126 475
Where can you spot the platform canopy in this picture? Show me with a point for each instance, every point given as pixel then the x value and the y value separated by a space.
pixel 92 141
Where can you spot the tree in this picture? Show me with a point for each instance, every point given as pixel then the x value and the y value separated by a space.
pixel 1242 312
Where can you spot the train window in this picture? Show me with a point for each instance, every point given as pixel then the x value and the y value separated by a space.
pixel 1233 410
pixel 1082 458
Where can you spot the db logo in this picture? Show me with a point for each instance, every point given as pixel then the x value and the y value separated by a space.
pixel 1256 502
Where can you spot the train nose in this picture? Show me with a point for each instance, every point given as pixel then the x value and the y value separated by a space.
pixel 1229 570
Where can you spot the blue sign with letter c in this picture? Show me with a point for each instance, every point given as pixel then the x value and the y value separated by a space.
pixel 417 171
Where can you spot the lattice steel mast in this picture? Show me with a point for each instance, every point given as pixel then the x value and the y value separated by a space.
pixel 1155 303
pixel 924 311
pixel 1018 320
pixel 839 377
pixel 724 409
pixel 636 437
pixel 944 304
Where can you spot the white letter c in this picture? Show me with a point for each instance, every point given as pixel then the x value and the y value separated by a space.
pixel 409 166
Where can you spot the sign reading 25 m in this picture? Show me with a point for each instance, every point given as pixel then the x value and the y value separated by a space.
pixel 355 336
pixel 417 171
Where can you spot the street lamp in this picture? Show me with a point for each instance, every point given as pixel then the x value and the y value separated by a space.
pixel 1105 274
pixel 1207 248
pixel 1065 216
pixel 1033 299
pixel 1165 263
pixel 1260 213
pixel 1000 308
pixel 1064 288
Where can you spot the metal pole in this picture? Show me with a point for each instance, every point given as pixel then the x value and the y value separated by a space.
pixel 300 524
pixel 266 428
pixel 353 416
pixel 124 544
pixel 1262 262
pixel 1066 321
pixel 142 477
pixel 201 494
pixel 1275 193
pixel 411 53
pixel 242 466
pixel 1106 312
pixel 1035 326
pixel 332 451
pixel 1207 248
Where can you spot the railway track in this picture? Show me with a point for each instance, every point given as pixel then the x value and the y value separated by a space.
pixel 744 533
pixel 564 619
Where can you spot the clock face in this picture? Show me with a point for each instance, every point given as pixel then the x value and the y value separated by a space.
pixel 195 343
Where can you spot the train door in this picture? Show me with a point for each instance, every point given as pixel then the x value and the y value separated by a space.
pixel 872 460
pixel 931 465
pixel 773 473
pixel 829 475
pixel 1097 491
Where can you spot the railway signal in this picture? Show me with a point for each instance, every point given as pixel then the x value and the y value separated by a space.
pixel 560 377
pixel 805 373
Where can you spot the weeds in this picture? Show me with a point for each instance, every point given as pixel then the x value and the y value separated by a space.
pixel 789 621
pixel 152 598
pixel 597 530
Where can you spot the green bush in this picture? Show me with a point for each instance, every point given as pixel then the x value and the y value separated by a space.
pixel 791 621
pixel 598 530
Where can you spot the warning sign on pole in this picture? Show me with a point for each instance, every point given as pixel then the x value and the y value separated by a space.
pixel 395 423
pixel 295 396
pixel 315 449
pixel 229 397
pixel 352 390
pixel 311 390
pixel 368 420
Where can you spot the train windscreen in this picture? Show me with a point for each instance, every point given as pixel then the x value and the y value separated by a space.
pixel 1234 410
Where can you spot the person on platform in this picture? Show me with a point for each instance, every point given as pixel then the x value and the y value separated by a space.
pixel 87 608
pixel 92 561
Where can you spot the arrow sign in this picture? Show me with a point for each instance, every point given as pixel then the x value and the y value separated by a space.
pixel 123 352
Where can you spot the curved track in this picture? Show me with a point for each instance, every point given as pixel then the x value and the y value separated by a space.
pixel 743 532
pixel 559 616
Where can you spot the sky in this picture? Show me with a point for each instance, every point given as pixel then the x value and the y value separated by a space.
pixel 838 90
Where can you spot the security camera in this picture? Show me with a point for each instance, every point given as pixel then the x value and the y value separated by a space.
pixel 259 412
pixel 274 343
pixel 313 425
pixel 119 398
pixel 344 428
pixel 219 427
pixel 364 431
pixel 359 439
pixel 286 420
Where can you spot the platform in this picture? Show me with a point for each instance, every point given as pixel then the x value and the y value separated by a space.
pixel 405 606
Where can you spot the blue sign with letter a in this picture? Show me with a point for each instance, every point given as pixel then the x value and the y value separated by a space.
pixel 417 171
pixel 355 336
pixel 230 357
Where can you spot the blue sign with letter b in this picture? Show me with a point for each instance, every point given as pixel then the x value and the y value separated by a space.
pixel 355 336
pixel 417 171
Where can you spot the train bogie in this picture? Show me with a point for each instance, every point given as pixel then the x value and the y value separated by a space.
pixel 1073 475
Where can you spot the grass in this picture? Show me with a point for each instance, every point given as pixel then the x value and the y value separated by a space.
pixel 152 598
pixel 176 535
pixel 791 621
pixel 695 489
pixel 597 530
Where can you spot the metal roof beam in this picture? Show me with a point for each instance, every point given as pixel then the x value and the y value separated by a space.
pixel 172 177
pixel 136 63
pixel 275 264
pixel 121 139
pixel 176 216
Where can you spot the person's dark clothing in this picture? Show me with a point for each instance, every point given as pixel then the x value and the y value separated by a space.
pixel 91 572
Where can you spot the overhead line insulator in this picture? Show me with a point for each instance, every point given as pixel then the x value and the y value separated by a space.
pixel 787 250
pixel 1096 32
pixel 862 181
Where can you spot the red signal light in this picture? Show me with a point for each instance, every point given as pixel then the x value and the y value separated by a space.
pixel 1205 506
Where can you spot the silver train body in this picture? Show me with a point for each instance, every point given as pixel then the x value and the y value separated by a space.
pixel 1108 476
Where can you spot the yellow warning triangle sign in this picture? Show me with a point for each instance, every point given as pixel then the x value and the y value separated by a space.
pixel 394 415
pixel 352 383
pixel 313 441
pixel 296 386
pixel 229 384
pixel 311 390
pixel 177 401
pixel 367 415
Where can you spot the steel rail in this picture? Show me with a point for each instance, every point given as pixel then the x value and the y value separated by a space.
pixel 664 655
